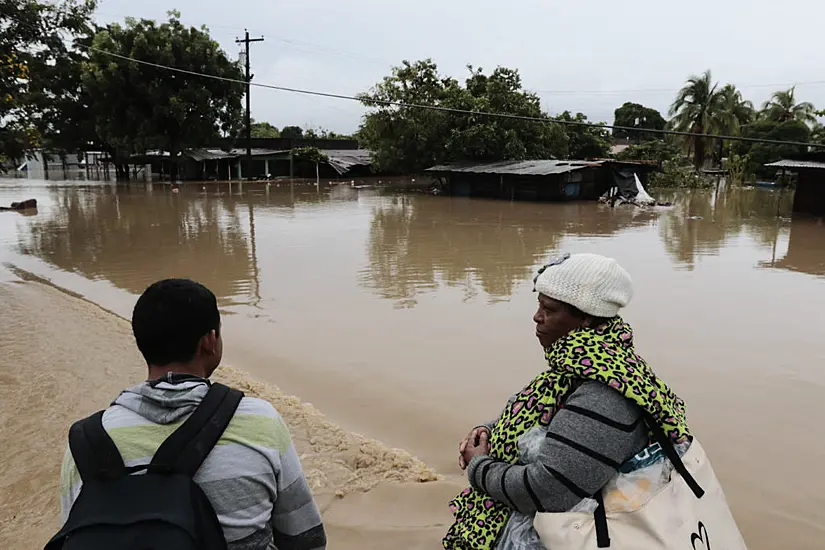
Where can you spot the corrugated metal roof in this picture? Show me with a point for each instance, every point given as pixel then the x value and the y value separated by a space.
pixel 344 160
pixel 517 167
pixel 212 153
pixel 241 152
pixel 208 154
pixel 784 163
pixel 341 160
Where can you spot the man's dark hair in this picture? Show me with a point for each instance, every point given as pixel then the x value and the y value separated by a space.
pixel 171 317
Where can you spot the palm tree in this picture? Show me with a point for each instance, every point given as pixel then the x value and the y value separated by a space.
pixel 731 114
pixel 783 107
pixel 733 111
pixel 693 112
pixel 817 132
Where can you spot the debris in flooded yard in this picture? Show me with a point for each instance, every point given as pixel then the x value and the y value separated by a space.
pixel 28 204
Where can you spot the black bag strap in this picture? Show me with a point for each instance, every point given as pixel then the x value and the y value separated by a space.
pixel 94 452
pixel 184 451
pixel 670 452
pixel 602 534
pixel 600 515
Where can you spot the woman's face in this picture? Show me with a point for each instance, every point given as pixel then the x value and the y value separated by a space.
pixel 554 320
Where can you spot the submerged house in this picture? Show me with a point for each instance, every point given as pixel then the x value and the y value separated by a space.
pixel 810 184
pixel 541 180
pixel 205 164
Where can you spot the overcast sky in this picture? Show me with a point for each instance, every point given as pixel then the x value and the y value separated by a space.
pixel 581 55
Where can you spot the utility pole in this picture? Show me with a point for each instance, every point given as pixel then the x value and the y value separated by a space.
pixel 246 41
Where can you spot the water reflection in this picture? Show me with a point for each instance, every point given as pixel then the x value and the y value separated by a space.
pixel 701 223
pixel 135 234
pixel 413 244
pixel 132 238
pixel 806 248
pixel 416 242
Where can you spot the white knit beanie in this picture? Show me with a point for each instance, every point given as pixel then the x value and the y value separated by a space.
pixel 592 283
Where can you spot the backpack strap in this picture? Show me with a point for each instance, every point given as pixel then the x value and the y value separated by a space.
pixel 94 452
pixel 184 451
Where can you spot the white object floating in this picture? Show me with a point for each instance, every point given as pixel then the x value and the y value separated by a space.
pixel 642 197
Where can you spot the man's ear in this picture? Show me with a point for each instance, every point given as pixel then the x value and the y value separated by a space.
pixel 209 343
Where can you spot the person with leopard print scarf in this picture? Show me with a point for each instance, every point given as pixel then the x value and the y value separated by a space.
pixel 568 432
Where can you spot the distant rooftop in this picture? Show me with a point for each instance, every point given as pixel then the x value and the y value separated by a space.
pixel 343 160
pixel 516 167
pixel 543 167
pixel 797 164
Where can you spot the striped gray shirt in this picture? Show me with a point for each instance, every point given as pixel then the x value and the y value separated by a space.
pixel 597 430
pixel 252 477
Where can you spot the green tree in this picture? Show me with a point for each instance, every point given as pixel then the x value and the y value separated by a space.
pixel 693 111
pixel 738 168
pixel 731 114
pixel 585 141
pixel 764 153
pixel 634 115
pixel 675 175
pixel 292 132
pixel 323 133
pixel 732 111
pixel 782 107
pixel 264 130
pixel 309 154
pixel 134 107
pixel 659 151
pixel 38 69
pixel 408 138
pixel 818 133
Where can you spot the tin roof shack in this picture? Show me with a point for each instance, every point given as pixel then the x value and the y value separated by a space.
pixel 535 180
pixel 205 164
pixel 810 185
pixel 350 163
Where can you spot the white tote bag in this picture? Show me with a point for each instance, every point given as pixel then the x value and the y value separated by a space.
pixel 673 519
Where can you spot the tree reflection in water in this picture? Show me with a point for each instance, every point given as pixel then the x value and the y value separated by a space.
pixel 701 223
pixel 417 243
pixel 131 239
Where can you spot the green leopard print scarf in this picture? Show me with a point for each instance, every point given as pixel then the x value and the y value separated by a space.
pixel 604 354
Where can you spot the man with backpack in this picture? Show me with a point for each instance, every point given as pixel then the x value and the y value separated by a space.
pixel 178 462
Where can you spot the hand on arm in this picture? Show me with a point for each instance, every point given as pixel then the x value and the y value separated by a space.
pixel 586 442
pixel 477 443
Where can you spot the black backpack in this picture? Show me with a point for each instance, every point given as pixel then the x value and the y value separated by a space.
pixel 161 510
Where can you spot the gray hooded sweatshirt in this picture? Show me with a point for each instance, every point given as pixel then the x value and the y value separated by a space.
pixel 252 477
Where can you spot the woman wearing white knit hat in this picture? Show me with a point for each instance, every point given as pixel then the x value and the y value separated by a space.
pixel 572 429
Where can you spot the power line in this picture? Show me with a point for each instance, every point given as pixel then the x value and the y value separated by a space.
pixel 670 90
pixel 609 92
pixel 370 102
pixel 299 44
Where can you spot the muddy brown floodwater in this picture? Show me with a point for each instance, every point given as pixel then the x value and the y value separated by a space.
pixel 408 318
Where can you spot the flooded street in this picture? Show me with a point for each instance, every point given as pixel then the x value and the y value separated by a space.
pixel 408 317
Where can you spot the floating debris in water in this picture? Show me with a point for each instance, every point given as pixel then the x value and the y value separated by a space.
pixel 27 204
pixel 696 218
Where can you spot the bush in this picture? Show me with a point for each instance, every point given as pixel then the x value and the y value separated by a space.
pixel 657 151
pixel 675 175
pixel 738 169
